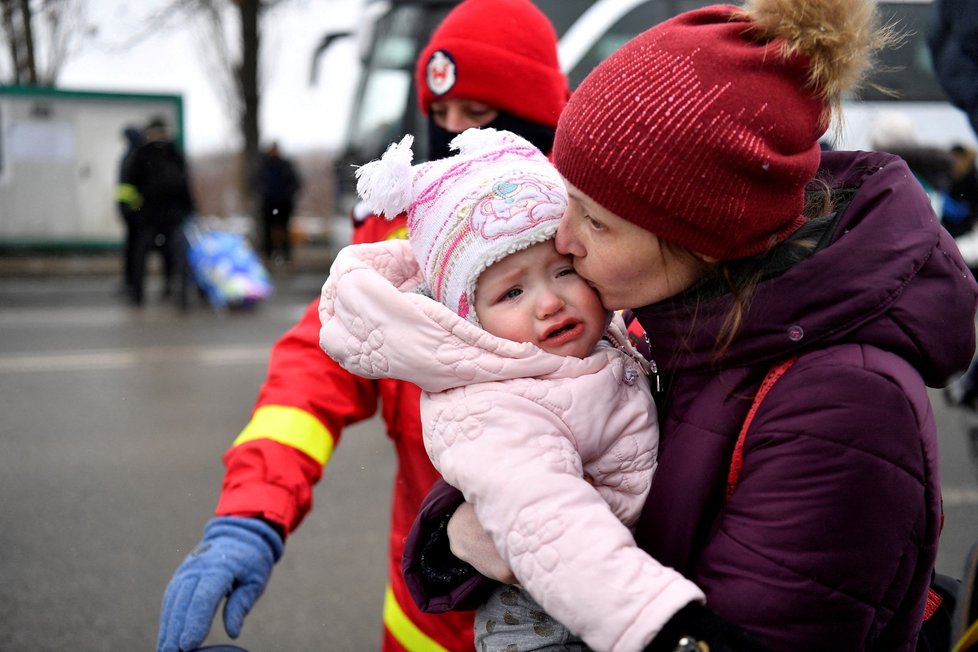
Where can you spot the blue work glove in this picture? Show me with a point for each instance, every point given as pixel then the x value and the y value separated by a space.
pixel 233 560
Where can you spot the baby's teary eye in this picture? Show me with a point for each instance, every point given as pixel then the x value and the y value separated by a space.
pixel 511 293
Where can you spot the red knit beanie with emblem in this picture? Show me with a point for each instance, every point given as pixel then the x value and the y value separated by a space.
pixel 704 129
pixel 499 52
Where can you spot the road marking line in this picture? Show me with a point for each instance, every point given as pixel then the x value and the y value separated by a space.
pixel 287 312
pixel 130 358
pixel 41 317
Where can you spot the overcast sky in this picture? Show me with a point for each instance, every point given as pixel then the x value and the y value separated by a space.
pixel 297 114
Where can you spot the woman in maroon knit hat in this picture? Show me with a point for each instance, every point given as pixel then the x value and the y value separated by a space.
pixel 700 199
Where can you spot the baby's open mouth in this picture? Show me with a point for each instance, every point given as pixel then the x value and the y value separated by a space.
pixel 560 331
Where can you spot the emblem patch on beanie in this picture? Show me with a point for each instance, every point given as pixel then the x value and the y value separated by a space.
pixel 441 72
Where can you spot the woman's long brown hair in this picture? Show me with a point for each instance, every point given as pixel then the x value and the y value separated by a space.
pixel 738 279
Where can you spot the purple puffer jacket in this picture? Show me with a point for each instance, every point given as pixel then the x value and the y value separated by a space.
pixel 830 538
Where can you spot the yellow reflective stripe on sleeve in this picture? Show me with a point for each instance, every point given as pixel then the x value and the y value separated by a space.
pixel 968 640
pixel 127 194
pixel 405 631
pixel 400 233
pixel 292 427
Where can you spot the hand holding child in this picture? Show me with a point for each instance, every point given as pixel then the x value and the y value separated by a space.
pixel 471 543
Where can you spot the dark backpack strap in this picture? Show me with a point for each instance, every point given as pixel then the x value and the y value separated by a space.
pixel 737 461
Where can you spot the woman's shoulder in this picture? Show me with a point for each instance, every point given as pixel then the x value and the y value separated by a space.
pixel 860 362
pixel 851 396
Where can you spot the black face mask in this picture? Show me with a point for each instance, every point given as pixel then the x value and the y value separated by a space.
pixel 539 135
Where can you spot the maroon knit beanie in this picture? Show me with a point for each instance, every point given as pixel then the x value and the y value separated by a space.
pixel 699 131
pixel 500 52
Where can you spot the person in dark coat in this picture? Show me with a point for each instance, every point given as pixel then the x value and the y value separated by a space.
pixel 960 218
pixel 960 211
pixel 953 41
pixel 158 172
pixel 701 200
pixel 278 184
pixel 129 201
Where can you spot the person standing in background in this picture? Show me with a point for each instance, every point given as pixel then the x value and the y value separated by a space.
pixel 961 203
pixel 158 172
pixel 953 42
pixel 278 184
pixel 129 202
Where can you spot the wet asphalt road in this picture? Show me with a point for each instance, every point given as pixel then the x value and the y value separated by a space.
pixel 112 429
pixel 113 425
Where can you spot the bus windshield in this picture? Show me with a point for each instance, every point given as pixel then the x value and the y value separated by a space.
pixel 385 86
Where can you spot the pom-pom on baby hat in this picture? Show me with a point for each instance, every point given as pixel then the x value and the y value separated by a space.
pixel 497 196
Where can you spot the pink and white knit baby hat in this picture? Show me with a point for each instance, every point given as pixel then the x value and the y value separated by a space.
pixel 497 196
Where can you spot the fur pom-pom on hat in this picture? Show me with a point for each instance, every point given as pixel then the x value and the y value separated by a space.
pixel 498 195
pixel 704 129
pixel 837 37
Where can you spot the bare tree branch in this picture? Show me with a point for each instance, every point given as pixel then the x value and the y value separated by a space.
pixel 66 30
pixel 40 37
pixel 217 55
pixel 11 33
pixel 28 41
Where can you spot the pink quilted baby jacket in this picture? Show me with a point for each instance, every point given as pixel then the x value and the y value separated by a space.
pixel 516 429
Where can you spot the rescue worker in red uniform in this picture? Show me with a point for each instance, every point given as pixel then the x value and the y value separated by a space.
pixel 507 77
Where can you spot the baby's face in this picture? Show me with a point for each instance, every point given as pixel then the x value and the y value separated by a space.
pixel 536 296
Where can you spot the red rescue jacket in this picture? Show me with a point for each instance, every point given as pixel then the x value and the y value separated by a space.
pixel 306 401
